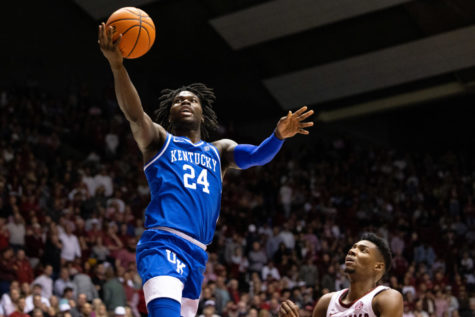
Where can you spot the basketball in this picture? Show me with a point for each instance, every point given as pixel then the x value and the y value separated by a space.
pixel 137 29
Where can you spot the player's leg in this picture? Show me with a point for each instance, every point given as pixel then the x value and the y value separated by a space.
pixel 192 290
pixel 163 296
pixel 164 273
pixel 163 307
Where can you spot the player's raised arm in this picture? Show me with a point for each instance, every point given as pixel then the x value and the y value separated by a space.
pixel 145 131
pixel 245 155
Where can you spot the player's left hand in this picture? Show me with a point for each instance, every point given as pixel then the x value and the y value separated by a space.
pixel 293 123
pixel 288 309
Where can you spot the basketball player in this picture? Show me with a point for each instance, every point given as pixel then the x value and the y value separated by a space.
pixel 365 264
pixel 184 175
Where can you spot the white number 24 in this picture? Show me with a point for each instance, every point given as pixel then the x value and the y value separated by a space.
pixel 190 176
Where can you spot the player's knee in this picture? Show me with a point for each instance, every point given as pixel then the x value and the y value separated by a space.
pixel 163 306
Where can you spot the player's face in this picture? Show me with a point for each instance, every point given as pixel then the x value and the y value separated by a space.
pixel 361 258
pixel 186 107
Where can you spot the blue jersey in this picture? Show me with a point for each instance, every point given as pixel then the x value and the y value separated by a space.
pixel 185 186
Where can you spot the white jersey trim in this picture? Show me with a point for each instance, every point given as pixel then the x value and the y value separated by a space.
pixel 181 235
pixel 163 286
pixel 336 307
pixel 160 154
pixel 219 159
pixel 182 138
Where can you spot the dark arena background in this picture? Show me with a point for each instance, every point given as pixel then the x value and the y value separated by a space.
pixel 392 83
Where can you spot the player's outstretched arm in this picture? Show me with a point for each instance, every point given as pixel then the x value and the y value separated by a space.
pixel 245 155
pixel 145 131
pixel 294 123
pixel 389 303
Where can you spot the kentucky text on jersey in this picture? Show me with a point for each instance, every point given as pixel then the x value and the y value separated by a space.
pixel 185 187
pixel 195 158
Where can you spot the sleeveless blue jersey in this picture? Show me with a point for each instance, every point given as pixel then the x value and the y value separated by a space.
pixel 185 186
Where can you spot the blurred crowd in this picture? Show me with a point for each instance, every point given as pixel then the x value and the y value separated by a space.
pixel 73 193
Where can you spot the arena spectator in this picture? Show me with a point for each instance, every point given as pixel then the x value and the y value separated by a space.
pixel 114 293
pixel 70 244
pixel 63 282
pixel 9 300
pixel 34 244
pixel 119 311
pixel 19 309
pixel 84 286
pixel 7 269
pixel 36 299
pixel 4 234
pixel 209 309
pixel 101 311
pixel 269 271
pixel 309 273
pixel 126 255
pixel 424 253
pixel 103 179
pixel 45 281
pixel 257 258
pixel 24 272
pixel 16 230
pixel 52 251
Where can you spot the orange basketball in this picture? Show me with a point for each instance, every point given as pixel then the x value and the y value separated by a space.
pixel 137 29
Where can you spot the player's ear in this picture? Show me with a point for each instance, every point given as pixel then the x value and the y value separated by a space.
pixel 379 267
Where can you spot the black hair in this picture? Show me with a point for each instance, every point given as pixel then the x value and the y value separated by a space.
pixel 206 97
pixel 382 246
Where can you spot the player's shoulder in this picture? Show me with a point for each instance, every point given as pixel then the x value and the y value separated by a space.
pixel 322 305
pixel 388 293
pixel 327 297
pixel 223 141
pixel 224 144
pixel 388 299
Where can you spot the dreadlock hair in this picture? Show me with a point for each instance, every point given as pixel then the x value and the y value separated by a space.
pixel 206 97
pixel 382 246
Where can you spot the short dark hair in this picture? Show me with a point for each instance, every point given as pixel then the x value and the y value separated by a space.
pixel 382 246
pixel 206 97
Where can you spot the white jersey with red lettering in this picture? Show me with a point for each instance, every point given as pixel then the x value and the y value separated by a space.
pixel 362 307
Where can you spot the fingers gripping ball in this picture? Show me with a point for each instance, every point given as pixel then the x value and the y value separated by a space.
pixel 137 29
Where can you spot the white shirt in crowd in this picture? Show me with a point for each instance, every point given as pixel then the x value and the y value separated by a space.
pixel 29 303
pixel 17 233
pixel 272 271
pixel 106 181
pixel 112 142
pixel 287 238
pixel 70 249
pixel 90 184
pixel 46 283
pixel 6 305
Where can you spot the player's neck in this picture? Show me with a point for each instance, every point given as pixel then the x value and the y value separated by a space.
pixel 358 289
pixel 193 134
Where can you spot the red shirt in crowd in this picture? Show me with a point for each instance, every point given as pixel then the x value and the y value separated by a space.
pixel 24 272
pixel 3 239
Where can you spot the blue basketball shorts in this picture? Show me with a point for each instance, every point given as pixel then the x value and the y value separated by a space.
pixel 171 267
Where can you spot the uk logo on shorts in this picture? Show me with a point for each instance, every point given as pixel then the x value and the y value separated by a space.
pixel 171 257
